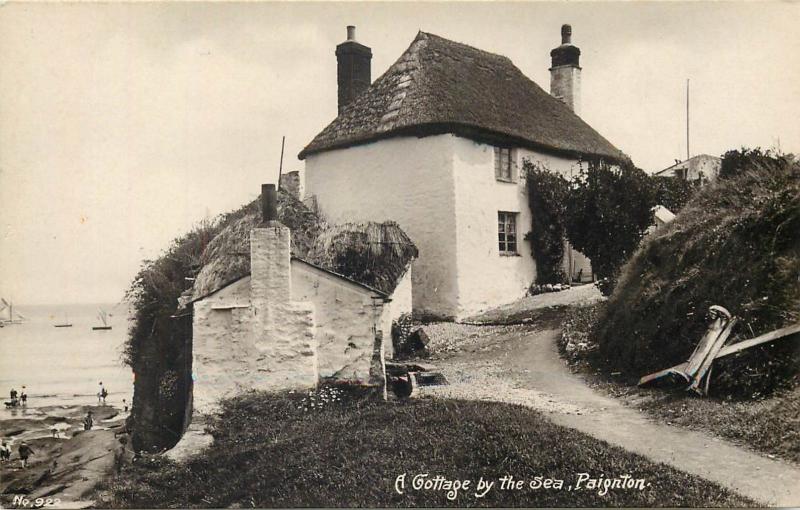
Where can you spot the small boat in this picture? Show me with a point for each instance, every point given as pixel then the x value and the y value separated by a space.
pixel 7 314
pixel 103 316
pixel 65 324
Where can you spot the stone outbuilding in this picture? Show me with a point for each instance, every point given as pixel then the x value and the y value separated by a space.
pixel 291 323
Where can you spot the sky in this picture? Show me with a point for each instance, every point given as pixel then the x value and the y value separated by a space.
pixel 123 125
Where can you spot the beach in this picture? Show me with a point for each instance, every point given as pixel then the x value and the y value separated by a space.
pixel 60 369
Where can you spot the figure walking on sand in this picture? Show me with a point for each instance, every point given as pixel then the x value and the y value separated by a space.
pixel 5 451
pixel 88 422
pixel 25 451
pixel 102 394
pixel 23 397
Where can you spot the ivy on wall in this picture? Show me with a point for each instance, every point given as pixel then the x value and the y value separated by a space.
pixel 547 199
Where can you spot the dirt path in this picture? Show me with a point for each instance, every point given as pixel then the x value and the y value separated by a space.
pixel 525 368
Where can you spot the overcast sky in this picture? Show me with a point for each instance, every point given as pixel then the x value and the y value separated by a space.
pixel 122 125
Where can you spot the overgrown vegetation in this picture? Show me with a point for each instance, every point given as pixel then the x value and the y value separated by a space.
pixel 547 199
pixel 609 208
pixel 603 212
pixel 347 451
pixel 159 340
pixel 673 193
pixel 734 244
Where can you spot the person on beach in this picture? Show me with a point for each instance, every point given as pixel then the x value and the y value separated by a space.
pixel 124 403
pixel 88 422
pixel 25 451
pixel 5 452
pixel 54 432
pixel 102 394
pixel 13 394
pixel 23 397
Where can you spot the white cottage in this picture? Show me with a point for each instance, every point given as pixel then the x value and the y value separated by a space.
pixel 290 323
pixel 436 144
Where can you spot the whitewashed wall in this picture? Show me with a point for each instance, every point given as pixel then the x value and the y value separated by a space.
pixel 405 179
pixel 345 322
pixel 485 277
pixel 401 303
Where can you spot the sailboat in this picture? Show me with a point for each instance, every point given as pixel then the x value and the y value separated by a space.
pixel 65 324
pixel 103 316
pixel 8 315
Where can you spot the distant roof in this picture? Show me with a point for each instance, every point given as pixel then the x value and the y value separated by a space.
pixel 441 86
pixel 663 214
pixel 686 162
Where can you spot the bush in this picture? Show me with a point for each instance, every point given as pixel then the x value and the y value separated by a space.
pixel 673 193
pixel 609 209
pixel 547 198
pixel 735 244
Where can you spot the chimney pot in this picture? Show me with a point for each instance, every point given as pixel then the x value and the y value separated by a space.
pixel 269 203
pixel 351 32
pixel 566 34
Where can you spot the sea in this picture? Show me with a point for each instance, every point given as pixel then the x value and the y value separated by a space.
pixel 65 366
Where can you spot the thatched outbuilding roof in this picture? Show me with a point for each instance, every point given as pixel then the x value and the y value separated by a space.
pixel 441 86
pixel 375 254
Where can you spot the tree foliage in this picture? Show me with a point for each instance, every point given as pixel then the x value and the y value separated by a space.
pixel 673 193
pixel 609 208
pixel 547 198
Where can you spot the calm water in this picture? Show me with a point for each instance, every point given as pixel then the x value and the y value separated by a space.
pixel 61 366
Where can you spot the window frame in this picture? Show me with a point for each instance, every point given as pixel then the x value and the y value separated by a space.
pixel 511 167
pixel 506 247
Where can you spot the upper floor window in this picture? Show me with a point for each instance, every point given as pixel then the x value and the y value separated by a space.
pixel 504 165
pixel 507 232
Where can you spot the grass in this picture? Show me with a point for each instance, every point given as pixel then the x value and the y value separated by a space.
pixel 768 424
pixel 347 451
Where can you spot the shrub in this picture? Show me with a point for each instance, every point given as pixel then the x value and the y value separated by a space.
pixel 609 209
pixel 673 193
pixel 547 198
pixel 735 244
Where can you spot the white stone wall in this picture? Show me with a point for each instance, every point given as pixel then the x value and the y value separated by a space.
pixel 401 303
pixel 346 320
pixel 405 179
pixel 485 277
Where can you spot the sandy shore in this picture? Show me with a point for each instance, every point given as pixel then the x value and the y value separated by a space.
pixel 64 468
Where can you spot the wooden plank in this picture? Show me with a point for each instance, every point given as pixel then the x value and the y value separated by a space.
pixel 767 337
pixel 709 340
pixel 712 353
pixel 676 370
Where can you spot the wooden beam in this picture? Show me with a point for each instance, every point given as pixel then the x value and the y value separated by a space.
pixel 767 337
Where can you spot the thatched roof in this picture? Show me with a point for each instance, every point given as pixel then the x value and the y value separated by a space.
pixel 372 254
pixel 440 86
pixel 227 256
pixel 375 254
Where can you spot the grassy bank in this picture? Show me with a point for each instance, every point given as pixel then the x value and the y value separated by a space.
pixel 333 450
pixel 769 424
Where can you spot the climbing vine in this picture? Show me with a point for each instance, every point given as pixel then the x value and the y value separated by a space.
pixel 547 198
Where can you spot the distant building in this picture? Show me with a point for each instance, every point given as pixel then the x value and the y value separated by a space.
pixel 437 145
pixel 661 216
pixel 703 168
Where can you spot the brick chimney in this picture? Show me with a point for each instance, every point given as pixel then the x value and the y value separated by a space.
pixel 353 71
pixel 565 73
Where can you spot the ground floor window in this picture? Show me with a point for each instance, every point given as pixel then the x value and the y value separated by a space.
pixel 507 232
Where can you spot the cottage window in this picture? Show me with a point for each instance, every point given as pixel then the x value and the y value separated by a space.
pixel 504 164
pixel 507 232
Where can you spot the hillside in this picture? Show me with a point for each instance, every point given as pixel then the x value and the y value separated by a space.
pixel 734 244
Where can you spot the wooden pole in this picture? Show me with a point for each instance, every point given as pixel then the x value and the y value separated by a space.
pixel 280 167
pixel 687 119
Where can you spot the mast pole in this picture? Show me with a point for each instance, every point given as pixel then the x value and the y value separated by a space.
pixel 280 167
pixel 687 119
